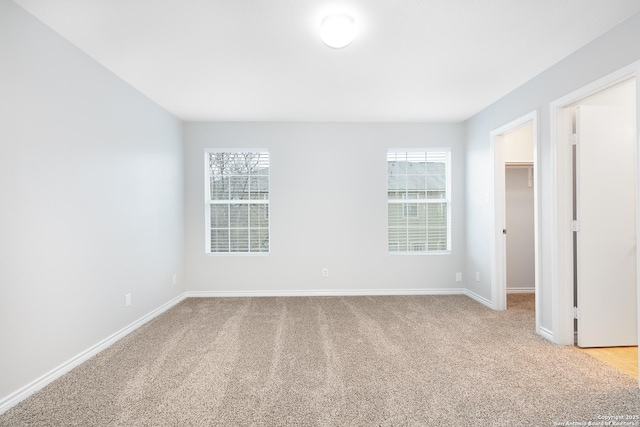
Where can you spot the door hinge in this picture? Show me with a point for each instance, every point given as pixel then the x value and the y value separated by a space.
pixel 574 138
pixel 575 225
pixel 575 313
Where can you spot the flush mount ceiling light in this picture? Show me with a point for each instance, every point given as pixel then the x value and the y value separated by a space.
pixel 337 31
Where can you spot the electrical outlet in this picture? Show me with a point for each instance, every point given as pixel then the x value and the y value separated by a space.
pixel 175 279
pixel 458 277
pixel 477 276
pixel 325 272
pixel 127 300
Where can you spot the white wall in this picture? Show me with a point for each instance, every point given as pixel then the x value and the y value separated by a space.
pixel 612 51
pixel 91 194
pixel 328 209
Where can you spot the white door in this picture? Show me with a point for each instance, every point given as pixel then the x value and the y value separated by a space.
pixel 606 214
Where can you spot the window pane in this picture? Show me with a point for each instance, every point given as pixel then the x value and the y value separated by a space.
pixel 219 188
pixel 259 215
pixel 396 217
pixel 437 226
pixel 397 186
pixel 261 164
pixel 436 180
pixel 417 237
pixel 219 240
pixel 416 163
pixel 239 240
pixel 436 194
pixel 259 187
pixel 219 164
pixel 238 164
pixel 220 216
pixel 398 239
pixel 239 187
pixel 396 177
pixel 259 240
pixel 239 215
pixel 410 210
pixel 396 195
pixel 415 156
pixel 416 184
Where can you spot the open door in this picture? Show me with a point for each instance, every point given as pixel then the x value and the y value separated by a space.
pixel 605 213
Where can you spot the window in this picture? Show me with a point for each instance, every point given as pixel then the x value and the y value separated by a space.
pixel 237 201
pixel 422 176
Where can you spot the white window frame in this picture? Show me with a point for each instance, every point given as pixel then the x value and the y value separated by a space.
pixel 426 201
pixel 209 202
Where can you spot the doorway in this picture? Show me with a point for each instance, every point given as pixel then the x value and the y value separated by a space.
pixel 605 282
pixel 604 217
pixel 514 150
pixel 574 305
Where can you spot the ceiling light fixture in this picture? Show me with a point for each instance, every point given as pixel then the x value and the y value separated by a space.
pixel 337 31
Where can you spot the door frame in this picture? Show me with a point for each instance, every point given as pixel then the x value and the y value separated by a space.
pixel 498 213
pixel 562 200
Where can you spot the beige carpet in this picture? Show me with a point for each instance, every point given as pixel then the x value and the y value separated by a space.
pixel 340 361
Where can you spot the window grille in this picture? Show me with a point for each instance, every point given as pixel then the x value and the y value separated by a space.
pixel 237 201
pixel 422 176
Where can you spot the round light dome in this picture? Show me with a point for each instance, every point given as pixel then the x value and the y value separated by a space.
pixel 337 31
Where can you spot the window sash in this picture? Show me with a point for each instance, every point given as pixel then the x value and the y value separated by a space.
pixel 422 176
pixel 237 202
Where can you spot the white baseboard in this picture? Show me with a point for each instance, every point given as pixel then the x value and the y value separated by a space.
pixel 521 290
pixel 26 391
pixel 325 292
pixel 546 334
pixel 480 299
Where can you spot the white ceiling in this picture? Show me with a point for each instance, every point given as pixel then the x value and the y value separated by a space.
pixel 412 60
